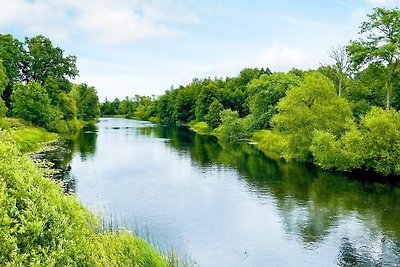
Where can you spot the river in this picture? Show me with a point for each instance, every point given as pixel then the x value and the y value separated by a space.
pixel 226 205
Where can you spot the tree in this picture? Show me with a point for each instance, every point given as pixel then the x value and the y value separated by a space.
pixel 265 92
pixel 232 129
pixel 341 66
pixel 3 84
pixel 87 102
pixel 313 106
pixel 381 44
pixel 204 99
pixel 13 55
pixel 213 118
pixel 47 61
pixel 31 103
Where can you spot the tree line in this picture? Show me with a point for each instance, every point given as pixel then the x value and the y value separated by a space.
pixel 342 116
pixel 35 85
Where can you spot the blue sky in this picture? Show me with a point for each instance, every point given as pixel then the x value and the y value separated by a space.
pixel 128 47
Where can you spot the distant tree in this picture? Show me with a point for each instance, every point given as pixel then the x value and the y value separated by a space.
pixel 341 66
pixel 87 102
pixel 232 129
pixel 3 84
pixel 213 118
pixel 184 104
pixel 31 103
pixel 265 92
pixel 381 44
pixel 313 106
pixel 204 99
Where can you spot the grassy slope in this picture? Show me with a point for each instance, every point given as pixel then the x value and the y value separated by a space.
pixel 41 226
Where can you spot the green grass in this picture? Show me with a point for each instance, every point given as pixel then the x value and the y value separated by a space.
pixel 200 127
pixel 29 138
pixel 41 226
pixel 270 144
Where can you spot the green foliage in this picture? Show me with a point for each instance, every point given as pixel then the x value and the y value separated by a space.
pixel 314 105
pixel 147 108
pixel 3 109
pixel 48 62
pixel 374 145
pixel 265 92
pixel 31 103
pixel 213 118
pixel 41 226
pixel 3 83
pixel 13 58
pixel 232 129
pixel 200 127
pixel 204 99
pixel 381 44
pixel 88 105
pixel 273 144
pixel 381 136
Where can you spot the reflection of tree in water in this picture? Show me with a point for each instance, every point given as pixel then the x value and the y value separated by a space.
pixel 311 202
pixel 61 157
pixel 83 142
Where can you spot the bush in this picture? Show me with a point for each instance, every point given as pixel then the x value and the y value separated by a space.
pixel 313 106
pixel 40 226
pixel 3 109
pixel 374 145
pixel 31 103
pixel 233 129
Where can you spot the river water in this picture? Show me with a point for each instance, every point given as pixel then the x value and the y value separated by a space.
pixel 227 205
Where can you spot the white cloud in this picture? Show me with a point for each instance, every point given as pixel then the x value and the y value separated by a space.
pixel 107 21
pixel 384 3
pixel 280 57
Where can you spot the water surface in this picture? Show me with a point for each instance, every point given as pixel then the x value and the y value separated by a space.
pixel 229 205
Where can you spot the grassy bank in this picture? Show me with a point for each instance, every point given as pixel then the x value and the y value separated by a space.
pixel 28 137
pixel 41 226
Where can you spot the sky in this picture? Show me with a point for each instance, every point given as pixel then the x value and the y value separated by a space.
pixel 128 47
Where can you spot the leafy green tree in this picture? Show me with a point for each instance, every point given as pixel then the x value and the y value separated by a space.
pixel 31 103
pixel 184 106
pixel 232 129
pixel 373 145
pixel 314 105
pixel 87 102
pixel 381 44
pixel 213 118
pixel 166 107
pixel 204 99
pixel 359 95
pixel 3 84
pixel 381 141
pixel 47 61
pixel 265 92
pixel 13 55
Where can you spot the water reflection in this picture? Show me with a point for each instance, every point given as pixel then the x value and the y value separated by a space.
pixel 321 211
pixel 312 203
pixel 82 142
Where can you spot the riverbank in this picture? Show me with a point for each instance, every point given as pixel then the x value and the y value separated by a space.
pixel 45 227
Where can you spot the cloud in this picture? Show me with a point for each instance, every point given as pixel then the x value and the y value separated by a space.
pixel 384 3
pixel 107 21
pixel 280 57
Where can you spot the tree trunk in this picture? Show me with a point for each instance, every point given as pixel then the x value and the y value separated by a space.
pixel 340 86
